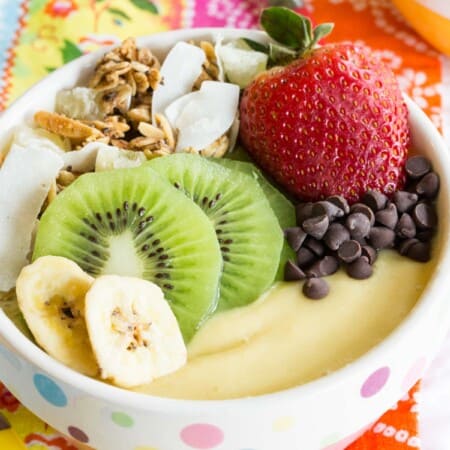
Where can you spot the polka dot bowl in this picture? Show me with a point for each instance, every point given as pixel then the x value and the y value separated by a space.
pixel 324 414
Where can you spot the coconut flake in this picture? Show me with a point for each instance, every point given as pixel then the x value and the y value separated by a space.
pixel 28 137
pixel 180 70
pixel 217 47
pixel 234 133
pixel 83 160
pixel 110 158
pixel 78 103
pixel 240 63
pixel 25 179
pixel 207 115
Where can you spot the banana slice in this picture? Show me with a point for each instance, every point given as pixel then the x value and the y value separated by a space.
pixel 134 333
pixel 50 294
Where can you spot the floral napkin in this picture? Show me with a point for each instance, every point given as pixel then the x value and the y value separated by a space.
pixel 38 36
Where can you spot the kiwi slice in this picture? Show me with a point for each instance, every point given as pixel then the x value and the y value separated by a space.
pixel 247 229
pixel 133 222
pixel 281 206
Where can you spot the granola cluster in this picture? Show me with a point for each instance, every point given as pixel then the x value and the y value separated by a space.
pixel 124 80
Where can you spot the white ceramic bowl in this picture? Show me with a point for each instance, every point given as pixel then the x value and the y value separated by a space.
pixel 327 413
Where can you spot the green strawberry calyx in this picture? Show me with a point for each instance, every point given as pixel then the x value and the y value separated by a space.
pixel 292 33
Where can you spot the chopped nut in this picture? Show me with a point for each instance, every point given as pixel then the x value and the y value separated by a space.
pixel 65 178
pixel 154 78
pixel 112 127
pixel 141 80
pixel 52 192
pixel 142 142
pixel 210 68
pixel 218 148
pixel 163 123
pixel 2 158
pixel 120 143
pixel 139 114
pixel 149 130
pixel 64 126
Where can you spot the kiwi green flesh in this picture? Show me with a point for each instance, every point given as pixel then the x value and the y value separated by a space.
pixel 281 206
pixel 133 222
pixel 248 231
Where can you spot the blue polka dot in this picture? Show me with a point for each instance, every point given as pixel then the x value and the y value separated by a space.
pixel 49 390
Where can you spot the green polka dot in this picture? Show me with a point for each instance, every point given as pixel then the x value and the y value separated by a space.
pixel 122 419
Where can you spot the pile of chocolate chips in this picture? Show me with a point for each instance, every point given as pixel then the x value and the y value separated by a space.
pixel 330 233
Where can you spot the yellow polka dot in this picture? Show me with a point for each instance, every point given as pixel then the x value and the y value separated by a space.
pixel 284 423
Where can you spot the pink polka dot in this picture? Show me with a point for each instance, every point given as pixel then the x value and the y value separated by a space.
pixel 414 373
pixel 375 382
pixel 202 436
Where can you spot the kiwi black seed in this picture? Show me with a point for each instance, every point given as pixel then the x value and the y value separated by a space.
pixel 247 229
pixel 132 222
pixel 281 206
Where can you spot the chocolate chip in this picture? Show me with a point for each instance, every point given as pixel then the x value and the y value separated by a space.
pixel 294 237
pixel 404 200
pixel 292 272
pixel 358 224
pixel 417 166
pixel 324 267
pixel 336 235
pixel 405 245
pixel 303 211
pixel 428 186
pixel 387 216
pixel 406 228
pixel 425 236
pixel 316 226
pixel 305 257
pixel 419 251
pixel 340 202
pixel 349 251
pixel 315 246
pixel 374 200
pixel 364 209
pixel 370 253
pixel 328 208
pixel 360 268
pixel 381 237
pixel 315 288
pixel 424 216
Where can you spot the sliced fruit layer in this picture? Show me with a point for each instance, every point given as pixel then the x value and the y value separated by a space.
pixel 247 229
pixel 132 222
pixel 50 294
pixel 281 206
pixel 134 333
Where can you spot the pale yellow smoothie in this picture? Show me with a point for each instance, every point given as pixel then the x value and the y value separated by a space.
pixel 285 339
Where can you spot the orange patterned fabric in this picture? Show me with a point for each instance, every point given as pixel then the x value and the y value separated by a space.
pixel 396 429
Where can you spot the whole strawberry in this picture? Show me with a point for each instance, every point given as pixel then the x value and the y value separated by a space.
pixel 331 121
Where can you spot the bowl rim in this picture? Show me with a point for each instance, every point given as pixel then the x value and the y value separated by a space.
pixel 32 353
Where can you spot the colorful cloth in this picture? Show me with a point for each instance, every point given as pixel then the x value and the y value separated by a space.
pixel 38 36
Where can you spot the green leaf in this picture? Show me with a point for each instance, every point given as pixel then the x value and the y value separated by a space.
pixel 120 13
pixel 70 51
pixel 146 5
pixel 279 55
pixel 287 27
pixel 322 30
pixel 258 47
pixel 50 69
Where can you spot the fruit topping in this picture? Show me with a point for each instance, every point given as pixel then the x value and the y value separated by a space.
pixel 134 333
pixel 329 233
pixel 331 121
pixel 110 158
pixel 247 229
pixel 25 179
pixel 50 293
pixel 78 103
pixel 132 222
